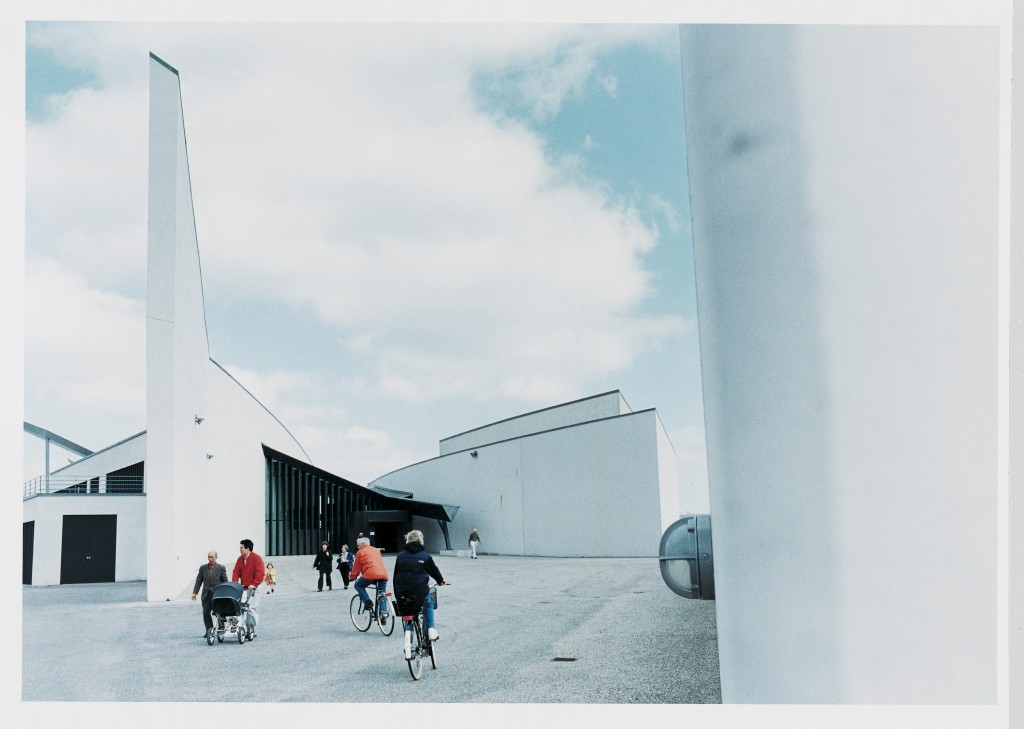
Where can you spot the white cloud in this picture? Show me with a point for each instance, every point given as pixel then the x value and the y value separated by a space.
pixel 357 453
pixel 667 210
pixel 85 186
pixel 610 84
pixel 327 431
pixel 349 169
pixel 85 352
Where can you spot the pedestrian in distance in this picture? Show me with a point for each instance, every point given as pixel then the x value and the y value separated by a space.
pixel 271 579
pixel 322 563
pixel 474 542
pixel 345 560
pixel 210 575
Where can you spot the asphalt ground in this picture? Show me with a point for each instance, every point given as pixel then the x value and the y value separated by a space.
pixel 503 621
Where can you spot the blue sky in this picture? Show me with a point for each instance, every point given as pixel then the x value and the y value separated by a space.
pixel 406 231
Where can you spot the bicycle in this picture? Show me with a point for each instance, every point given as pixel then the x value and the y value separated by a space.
pixel 418 645
pixel 363 618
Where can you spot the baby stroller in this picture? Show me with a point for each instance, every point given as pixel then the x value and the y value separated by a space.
pixel 230 608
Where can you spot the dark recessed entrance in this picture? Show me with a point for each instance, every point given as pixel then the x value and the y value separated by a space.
pixel 385 528
pixel 28 537
pixel 306 505
pixel 88 548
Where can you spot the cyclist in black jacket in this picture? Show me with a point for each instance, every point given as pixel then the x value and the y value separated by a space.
pixel 411 577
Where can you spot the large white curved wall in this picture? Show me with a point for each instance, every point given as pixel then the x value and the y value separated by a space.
pixel 606 405
pixel 606 487
pixel 844 185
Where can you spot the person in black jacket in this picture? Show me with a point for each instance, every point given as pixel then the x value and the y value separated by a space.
pixel 411 578
pixel 322 562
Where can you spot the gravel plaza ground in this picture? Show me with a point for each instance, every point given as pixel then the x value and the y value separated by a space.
pixel 503 622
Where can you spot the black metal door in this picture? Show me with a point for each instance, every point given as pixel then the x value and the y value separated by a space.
pixel 28 536
pixel 88 548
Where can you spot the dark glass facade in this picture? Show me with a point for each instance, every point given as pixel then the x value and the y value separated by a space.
pixel 306 505
pixel 127 480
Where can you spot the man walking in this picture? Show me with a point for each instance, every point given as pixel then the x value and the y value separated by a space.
pixel 474 542
pixel 210 575
pixel 249 570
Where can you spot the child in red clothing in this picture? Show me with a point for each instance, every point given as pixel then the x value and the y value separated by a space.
pixel 271 579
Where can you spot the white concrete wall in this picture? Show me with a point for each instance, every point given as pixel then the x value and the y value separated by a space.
pixel 670 499
pixel 844 186
pixel 176 349
pixel 606 405
pixel 235 430
pixel 593 489
pixel 48 514
pixel 196 502
pixel 126 453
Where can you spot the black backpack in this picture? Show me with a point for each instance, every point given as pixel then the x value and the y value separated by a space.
pixel 408 603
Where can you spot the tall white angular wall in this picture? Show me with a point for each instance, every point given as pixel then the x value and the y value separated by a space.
pixel 844 188
pixel 176 350
pixel 205 482
pixel 595 489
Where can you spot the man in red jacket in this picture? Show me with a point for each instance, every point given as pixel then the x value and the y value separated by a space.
pixel 369 567
pixel 249 570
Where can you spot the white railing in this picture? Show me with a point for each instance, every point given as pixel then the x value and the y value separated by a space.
pixel 60 484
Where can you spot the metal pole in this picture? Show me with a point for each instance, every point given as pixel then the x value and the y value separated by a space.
pixel 47 465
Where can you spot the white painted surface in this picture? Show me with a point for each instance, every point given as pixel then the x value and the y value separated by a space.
pixel 205 481
pixel 594 489
pixel 606 405
pixel 176 349
pixel 236 428
pixel 670 500
pixel 126 453
pixel 844 186
pixel 48 514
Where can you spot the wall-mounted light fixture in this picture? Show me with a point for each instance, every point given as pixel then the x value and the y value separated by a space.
pixel 473 453
pixel 199 420
pixel 686 558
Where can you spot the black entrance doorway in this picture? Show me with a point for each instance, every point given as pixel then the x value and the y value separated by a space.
pixel 88 548
pixel 28 539
pixel 386 528
pixel 386 536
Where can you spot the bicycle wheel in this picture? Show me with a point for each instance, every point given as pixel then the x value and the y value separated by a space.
pixel 360 616
pixel 432 647
pixel 416 662
pixel 386 621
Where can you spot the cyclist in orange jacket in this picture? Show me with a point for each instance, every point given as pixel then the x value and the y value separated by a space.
pixel 369 567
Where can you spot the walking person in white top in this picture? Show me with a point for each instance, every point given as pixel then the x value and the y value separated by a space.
pixel 474 540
